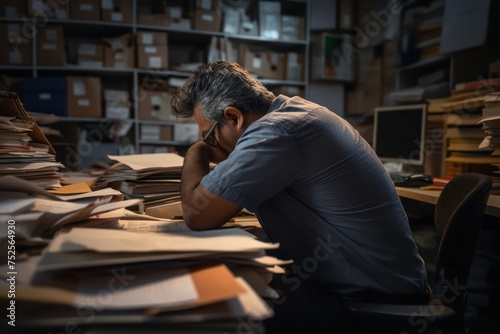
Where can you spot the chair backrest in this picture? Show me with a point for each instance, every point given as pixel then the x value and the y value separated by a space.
pixel 458 216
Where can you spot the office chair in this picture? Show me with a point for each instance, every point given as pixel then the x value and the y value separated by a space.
pixel 458 216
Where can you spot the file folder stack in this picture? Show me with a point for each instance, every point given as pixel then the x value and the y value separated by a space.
pixel 173 277
pixel 154 178
pixel 24 150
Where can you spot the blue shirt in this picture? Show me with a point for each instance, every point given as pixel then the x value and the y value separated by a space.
pixel 321 192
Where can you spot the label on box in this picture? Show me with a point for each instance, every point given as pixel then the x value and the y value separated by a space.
pixel 147 38
pixel 44 96
pixel 15 57
pixel 37 6
pixel 116 16
pixel 206 4
pixel 175 12
pixel 120 56
pixel 116 44
pixel 49 46
pixel 90 63
pixel 207 17
pixel 79 88
pixel 117 112
pixel 155 100
pixel 51 34
pixel 154 62
pixel 83 102
pixel 150 49
pixel 87 49
pixel 274 58
pixel 10 11
pixel 14 28
pixel 62 14
pixel 86 7
pixel 107 4
pixel 256 62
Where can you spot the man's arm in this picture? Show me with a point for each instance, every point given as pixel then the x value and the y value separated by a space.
pixel 201 208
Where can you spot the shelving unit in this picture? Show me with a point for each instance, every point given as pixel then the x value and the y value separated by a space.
pixel 131 79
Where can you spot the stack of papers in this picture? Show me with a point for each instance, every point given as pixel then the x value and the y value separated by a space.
pixel 24 149
pixel 180 276
pixel 40 214
pixel 154 178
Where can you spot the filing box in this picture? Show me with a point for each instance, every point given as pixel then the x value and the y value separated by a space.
pixel 85 10
pixel 84 97
pixel 13 8
pixel 63 96
pixel 14 49
pixel 155 105
pixel 116 10
pixel 153 132
pixel 50 46
pixel 45 95
pixel 119 51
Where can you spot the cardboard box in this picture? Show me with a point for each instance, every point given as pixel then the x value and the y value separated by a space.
pixel 176 17
pixel 84 97
pixel 153 132
pixel 116 104
pixel 270 19
pixel 294 66
pixel 90 55
pixel 232 19
pixel 288 91
pixel 155 105
pixel 149 56
pixel 13 8
pixel 292 28
pixel 14 49
pixel 45 95
pixel 85 10
pixel 208 20
pixel 48 8
pixel 263 63
pixel 157 38
pixel 153 19
pixel 346 14
pixel 120 58
pixel 119 51
pixel 186 133
pixel 50 46
pixel 116 10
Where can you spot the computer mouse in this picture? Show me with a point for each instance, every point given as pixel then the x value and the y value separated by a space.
pixel 417 180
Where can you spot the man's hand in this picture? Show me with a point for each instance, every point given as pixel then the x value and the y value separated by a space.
pixel 201 208
pixel 217 154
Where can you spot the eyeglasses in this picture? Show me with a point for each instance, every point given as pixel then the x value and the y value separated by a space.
pixel 210 136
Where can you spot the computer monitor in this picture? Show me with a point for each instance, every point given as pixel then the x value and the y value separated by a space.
pixel 399 136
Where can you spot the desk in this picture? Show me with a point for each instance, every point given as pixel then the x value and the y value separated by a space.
pixel 431 196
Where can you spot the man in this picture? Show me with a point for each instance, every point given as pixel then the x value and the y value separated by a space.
pixel 316 186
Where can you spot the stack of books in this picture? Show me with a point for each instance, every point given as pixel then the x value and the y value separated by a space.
pixel 24 150
pixel 490 121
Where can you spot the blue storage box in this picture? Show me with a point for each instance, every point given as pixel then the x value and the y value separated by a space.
pixel 45 95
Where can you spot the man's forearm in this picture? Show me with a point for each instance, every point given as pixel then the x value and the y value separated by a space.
pixel 196 166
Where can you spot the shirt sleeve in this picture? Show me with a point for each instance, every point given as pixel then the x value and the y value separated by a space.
pixel 265 161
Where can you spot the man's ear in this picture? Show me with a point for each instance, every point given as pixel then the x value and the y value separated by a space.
pixel 234 117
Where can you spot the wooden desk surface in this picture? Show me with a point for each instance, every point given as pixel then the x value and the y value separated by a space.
pixel 431 196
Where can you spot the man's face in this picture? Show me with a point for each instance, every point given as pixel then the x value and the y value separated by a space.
pixel 225 132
